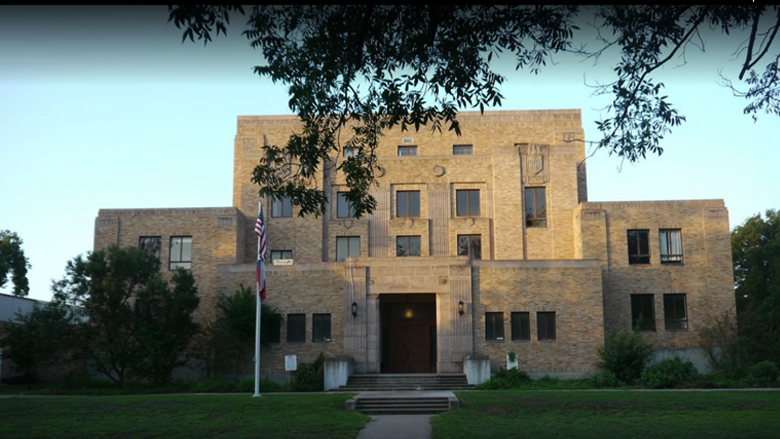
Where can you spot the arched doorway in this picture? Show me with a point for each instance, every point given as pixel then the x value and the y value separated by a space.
pixel 408 333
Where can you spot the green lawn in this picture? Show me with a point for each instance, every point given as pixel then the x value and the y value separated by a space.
pixel 612 415
pixel 314 416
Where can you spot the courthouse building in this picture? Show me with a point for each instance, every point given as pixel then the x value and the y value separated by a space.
pixel 479 245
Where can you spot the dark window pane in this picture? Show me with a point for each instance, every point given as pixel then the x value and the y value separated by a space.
pixel 675 314
pixel 462 202
pixel 521 326
pixel 296 328
pixel 470 245
pixel 402 204
pixel 638 246
pixel 494 326
pixel 643 312
pixel 414 204
pixel 545 325
pixel 321 327
pixel 344 207
pixel 535 207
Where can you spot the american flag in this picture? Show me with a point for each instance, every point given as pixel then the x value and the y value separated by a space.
pixel 260 267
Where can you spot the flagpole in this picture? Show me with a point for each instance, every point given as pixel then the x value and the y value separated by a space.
pixel 257 320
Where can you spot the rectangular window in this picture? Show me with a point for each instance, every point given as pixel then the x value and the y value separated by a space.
pixel 643 312
pixel 350 151
pixel 343 206
pixel 467 202
pixel 151 245
pixel 181 252
pixel 535 207
pixel 296 328
pixel 320 327
pixel 347 247
pixel 461 149
pixel 470 245
pixel 407 150
pixel 280 254
pixel 407 203
pixel 675 315
pixel 494 326
pixel 521 326
pixel 545 326
pixel 281 208
pixel 638 247
pixel 274 334
pixel 670 245
pixel 407 246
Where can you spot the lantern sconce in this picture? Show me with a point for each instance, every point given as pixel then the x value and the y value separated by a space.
pixel 460 307
pixel 354 309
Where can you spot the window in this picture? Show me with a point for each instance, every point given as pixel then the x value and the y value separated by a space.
pixel 281 208
pixel 643 312
pixel 347 247
pixel 461 149
pixel 274 334
pixel 296 328
pixel 350 151
pixel 407 150
pixel 638 247
pixel 467 202
pixel 407 203
pixel 545 325
pixel 280 254
pixel 320 327
pixel 675 316
pixel 494 326
pixel 535 207
pixel 151 245
pixel 181 252
pixel 407 246
pixel 470 245
pixel 521 326
pixel 670 244
pixel 344 207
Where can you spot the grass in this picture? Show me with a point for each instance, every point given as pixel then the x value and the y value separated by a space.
pixel 612 414
pixel 305 416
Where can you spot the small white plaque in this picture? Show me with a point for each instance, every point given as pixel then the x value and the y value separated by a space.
pixel 290 363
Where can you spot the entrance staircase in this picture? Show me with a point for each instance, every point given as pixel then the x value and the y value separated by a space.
pixel 396 394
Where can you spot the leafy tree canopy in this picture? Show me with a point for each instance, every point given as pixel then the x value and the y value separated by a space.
pixel 353 71
pixel 13 261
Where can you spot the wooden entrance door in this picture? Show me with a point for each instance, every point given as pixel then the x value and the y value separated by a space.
pixel 409 347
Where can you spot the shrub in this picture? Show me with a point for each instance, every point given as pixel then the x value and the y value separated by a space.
pixel 212 385
pixel 670 373
pixel 605 379
pixel 310 376
pixel 625 354
pixel 506 379
pixel 763 374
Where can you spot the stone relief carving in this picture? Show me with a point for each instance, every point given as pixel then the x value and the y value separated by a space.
pixel 438 170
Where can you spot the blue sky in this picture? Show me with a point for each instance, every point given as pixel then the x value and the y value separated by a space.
pixel 106 108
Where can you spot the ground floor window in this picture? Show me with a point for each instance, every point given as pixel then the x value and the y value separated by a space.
pixel 643 312
pixel 521 326
pixel 407 245
pixel 675 314
pixel 296 328
pixel 545 326
pixel 494 326
pixel 321 327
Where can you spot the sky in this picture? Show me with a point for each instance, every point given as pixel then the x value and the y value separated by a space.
pixel 105 107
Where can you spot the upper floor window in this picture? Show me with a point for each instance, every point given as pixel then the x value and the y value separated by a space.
pixel 281 208
pixel 407 245
pixel 670 246
pixel 407 203
pixel 407 150
pixel 643 312
pixel 545 325
pixel 638 247
pixel 347 247
pixel 535 207
pixel 181 252
pixel 461 149
pixel 521 326
pixel 344 207
pixel 470 245
pixel 494 326
pixel 151 245
pixel 675 313
pixel 467 202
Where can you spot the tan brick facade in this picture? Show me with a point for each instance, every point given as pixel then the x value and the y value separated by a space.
pixel 548 290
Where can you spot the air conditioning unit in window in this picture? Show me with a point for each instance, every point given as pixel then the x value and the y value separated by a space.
pixel 282 262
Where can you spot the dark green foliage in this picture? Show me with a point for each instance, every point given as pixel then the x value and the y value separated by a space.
pixel 626 354
pixel 506 379
pixel 605 379
pixel 762 374
pixel 669 374
pixel 12 260
pixel 42 335
pixel 353 71
pixel 134 325
pixel 310 376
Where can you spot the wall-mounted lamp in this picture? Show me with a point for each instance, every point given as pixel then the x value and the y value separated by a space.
pixel 460 307
pixel 354 309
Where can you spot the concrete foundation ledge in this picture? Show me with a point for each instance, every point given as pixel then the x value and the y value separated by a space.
pixel 477 369
pixel 337 371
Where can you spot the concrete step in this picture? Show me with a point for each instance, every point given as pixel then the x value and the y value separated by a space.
pixel 409 405
pixel 386 382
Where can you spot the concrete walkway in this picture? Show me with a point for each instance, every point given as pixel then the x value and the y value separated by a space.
pixel 397 427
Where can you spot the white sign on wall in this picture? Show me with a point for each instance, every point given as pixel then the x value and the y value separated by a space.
pixel 290 363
